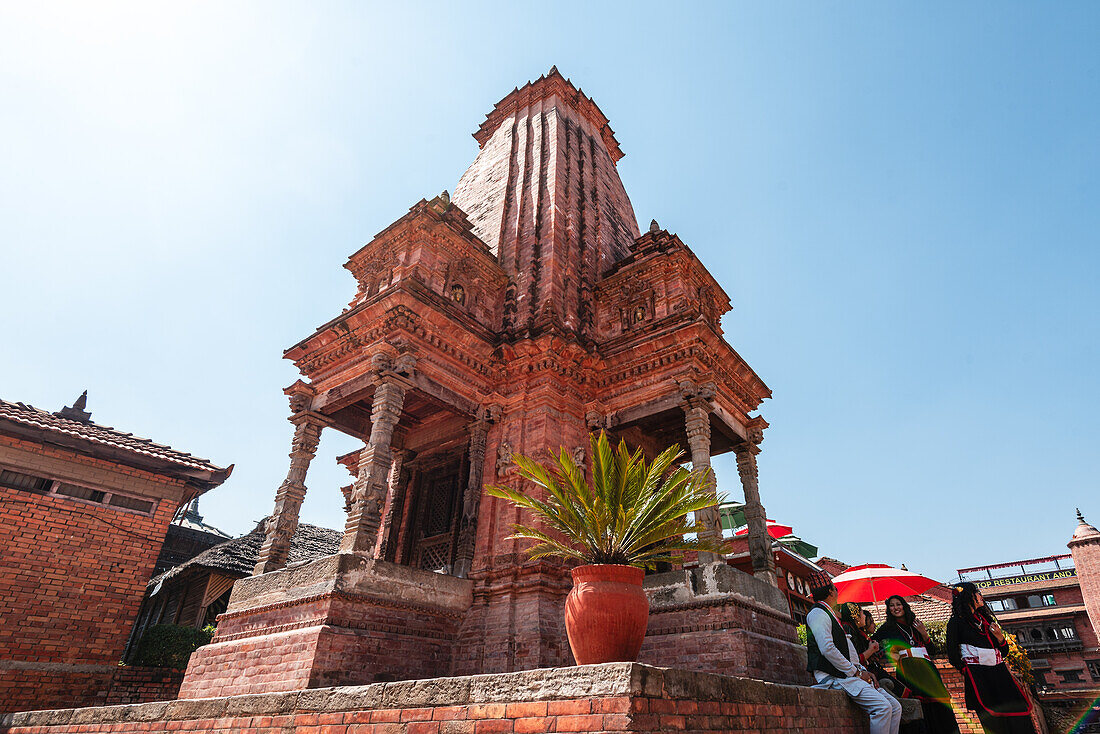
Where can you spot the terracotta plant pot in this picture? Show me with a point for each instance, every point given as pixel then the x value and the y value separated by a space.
pixel 606 614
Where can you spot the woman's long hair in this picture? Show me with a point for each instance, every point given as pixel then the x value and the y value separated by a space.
pixel 848 616
pixel 907 611
pixel 962 597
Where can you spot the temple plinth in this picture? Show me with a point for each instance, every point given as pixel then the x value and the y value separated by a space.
pixel 516 316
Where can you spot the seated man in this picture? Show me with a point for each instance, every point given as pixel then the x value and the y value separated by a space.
pixel 834 662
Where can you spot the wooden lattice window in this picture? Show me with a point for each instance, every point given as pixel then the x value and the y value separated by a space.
pixel 24 482
pixel 440 508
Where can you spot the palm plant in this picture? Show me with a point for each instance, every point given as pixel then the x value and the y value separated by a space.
pixel 632 514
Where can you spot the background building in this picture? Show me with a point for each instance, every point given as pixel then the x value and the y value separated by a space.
pixel 1039 600
pixel 83 514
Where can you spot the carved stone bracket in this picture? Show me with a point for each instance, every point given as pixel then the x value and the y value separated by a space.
pixel 595 421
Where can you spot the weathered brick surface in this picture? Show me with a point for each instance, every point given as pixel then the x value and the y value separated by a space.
pixel 618 697
pixel 728 639
pixel 72 575
pixel 326 641
pixel 132 684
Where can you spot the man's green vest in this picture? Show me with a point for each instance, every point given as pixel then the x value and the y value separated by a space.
pixel 814 659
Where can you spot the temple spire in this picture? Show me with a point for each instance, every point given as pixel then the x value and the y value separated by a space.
pixel 545 195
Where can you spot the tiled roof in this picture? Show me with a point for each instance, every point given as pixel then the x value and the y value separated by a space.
pixel 239 555
pixel 31 417
pixel 927 608
pixel 1019 615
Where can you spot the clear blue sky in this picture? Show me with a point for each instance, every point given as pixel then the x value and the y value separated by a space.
pixel 901 199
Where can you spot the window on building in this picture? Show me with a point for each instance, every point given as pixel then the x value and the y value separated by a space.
pixel 1094 668
pixel 24 482
pixel 80 493
pixel 1067 632
pixel 1037 635
pixel 1070 676
pixel 130 503
pixel 1040 600
pixel 1002 605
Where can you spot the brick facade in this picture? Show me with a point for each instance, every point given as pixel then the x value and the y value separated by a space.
pixel 133 684
pixel 617 697
pixel 80 530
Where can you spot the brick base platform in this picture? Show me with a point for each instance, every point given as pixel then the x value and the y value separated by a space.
pixel 340 620
pixel 614 697
pixel 717 619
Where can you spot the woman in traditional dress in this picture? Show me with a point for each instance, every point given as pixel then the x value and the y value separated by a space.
pixel 905 640
pixel 860 625
pixel 977 646
pixel 854 621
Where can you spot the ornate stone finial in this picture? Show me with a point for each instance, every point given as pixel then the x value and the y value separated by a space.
pixel 76 411
pixel 653 226
pixel 445 197
pixel 1080 517
pixel 553 71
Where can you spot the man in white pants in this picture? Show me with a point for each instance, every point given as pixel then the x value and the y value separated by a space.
pixel 834 662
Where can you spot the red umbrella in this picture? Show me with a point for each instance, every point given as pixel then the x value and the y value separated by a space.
pixel 774 529
pixel 874 582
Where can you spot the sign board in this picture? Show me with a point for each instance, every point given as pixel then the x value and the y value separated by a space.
pixel 1029 578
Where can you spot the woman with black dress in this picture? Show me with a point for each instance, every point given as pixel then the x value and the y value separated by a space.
pixel 854 622
pixel 977 646
pixel 906 642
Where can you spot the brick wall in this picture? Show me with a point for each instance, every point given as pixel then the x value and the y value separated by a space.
pixel 728 639
pixel 616 697
pixel 328 640
pixel 1086 557
pixel 72 576
pixel 133 684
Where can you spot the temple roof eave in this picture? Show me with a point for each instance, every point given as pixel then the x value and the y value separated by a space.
pixel 622 348
pixel 440 209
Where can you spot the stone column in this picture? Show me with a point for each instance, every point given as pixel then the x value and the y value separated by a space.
pixel 760 541
pixel 697 408
pixel 471 498
pixel 369 490
pixel 396 494
pixel 283 522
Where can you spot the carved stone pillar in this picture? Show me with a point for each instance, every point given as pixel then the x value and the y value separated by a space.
pixel 283 522
pixel 398 486
pixel 368 493
pixel 760 542
pixel 697 408
pixel 471 499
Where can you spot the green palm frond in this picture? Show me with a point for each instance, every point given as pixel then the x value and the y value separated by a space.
pixel 632 513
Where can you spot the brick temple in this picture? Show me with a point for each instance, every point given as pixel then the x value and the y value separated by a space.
pixel 518 315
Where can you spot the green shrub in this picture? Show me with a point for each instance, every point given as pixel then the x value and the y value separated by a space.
pixel 801 630
pixel 170 645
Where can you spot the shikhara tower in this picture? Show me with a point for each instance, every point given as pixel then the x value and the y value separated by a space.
pixel 516 316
